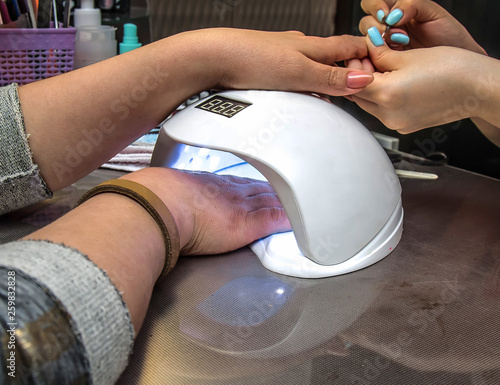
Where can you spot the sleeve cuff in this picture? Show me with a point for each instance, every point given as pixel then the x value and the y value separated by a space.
pixel 99 315
pixel 20 181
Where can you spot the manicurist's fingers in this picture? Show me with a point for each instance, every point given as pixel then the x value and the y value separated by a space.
pixel 379 9
pixel 383 58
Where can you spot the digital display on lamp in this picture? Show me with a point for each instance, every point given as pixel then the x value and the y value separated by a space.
pixel 223 106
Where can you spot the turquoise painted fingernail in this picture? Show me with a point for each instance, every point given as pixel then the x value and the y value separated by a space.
pixel 380 15
pixel 375 37
pixel 394 17
pixel 400 38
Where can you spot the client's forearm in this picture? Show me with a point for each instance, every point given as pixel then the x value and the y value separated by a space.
pixel 119 236
pixel 88 115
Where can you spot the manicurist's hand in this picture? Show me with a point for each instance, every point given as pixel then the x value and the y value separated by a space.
pixel 426 24
pixel 426 87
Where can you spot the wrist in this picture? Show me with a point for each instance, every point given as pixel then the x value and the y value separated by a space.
pixel 120 237
pixel 166 184
pixel 203 62
pixel 486 91
pixel 153 205
pixel 467 94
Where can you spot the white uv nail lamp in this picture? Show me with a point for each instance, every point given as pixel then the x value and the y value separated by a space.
pixel 337 185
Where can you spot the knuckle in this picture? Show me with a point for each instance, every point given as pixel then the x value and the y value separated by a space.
pixel 390 98
pixel 411 3
pixel 277 214
pixel 383 57
pixel 335 78
pixel 398 123
pixel 295 32
pixel 385 98
pixel 352 46
pixel 366 22
pixel 365 6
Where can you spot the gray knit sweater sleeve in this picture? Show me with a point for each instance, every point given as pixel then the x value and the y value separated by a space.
pixel 92 343
pixel 20 180
pixel 68 321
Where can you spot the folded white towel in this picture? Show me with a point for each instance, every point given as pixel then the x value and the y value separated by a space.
pixel 134 157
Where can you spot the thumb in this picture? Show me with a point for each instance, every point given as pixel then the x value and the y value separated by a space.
pixel 354 80
pixel 336 81
pixel 383 58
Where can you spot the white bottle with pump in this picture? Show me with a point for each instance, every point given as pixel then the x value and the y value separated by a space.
pixel 87 15
pixel 93 42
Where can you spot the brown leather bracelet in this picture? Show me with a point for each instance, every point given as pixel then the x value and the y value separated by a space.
pixel 153 205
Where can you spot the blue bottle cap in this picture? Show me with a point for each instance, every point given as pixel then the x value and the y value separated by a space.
pixel 130 40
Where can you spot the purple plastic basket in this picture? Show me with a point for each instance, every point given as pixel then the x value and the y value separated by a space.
pixel 27 55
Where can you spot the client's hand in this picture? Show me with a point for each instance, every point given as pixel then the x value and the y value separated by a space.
pixel 288 61
pixel 138 90
pixel 215 214
pixel 426 23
